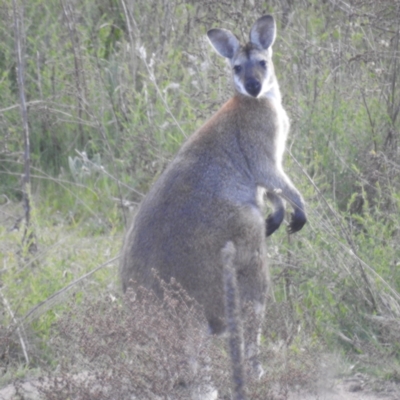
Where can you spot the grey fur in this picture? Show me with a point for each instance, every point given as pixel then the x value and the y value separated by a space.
pixel 209 194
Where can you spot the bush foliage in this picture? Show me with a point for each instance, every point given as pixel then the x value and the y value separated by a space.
pixel 114 87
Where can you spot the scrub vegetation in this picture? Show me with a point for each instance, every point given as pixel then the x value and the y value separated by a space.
pixel 111 90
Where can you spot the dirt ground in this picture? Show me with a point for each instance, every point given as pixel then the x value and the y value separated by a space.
pixel 354 388
pixel 350 389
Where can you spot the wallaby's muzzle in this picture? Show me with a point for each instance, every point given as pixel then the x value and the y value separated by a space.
pixel 253 87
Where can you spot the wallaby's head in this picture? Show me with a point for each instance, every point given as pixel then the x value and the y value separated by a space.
pixel 252 68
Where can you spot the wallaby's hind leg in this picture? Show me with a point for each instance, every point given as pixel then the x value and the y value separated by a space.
pixel 252 335
pixel 253 311
pixel 252 280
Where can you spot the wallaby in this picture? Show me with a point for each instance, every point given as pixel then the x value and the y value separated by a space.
pixel 209 195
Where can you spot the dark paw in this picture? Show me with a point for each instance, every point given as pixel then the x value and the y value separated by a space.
pixel 297 222
pixel 274 221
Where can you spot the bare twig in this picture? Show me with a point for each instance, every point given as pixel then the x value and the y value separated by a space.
pixel 26 181
pixel 28 103
pixel 150 71
pixel 394 111
pixel 371 121
pixel 79 79
pixel 104 171
pixel 21 339
pixel 132 34
pixel 29 315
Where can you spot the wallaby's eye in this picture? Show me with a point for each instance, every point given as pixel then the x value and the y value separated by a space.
pixel 237 69
pixel 263 63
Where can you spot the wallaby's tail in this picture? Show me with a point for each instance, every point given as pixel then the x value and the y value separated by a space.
pixel 233 321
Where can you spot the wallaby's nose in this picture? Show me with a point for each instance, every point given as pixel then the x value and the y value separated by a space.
pixel 253 87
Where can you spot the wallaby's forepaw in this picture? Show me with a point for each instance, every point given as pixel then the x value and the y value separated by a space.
pixel 274 221
pixel 297 221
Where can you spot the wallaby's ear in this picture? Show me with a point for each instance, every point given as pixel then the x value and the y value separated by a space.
pixel 224 42
pixel 263 32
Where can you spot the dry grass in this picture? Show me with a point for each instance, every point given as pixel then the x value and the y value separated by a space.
pixel 153 349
